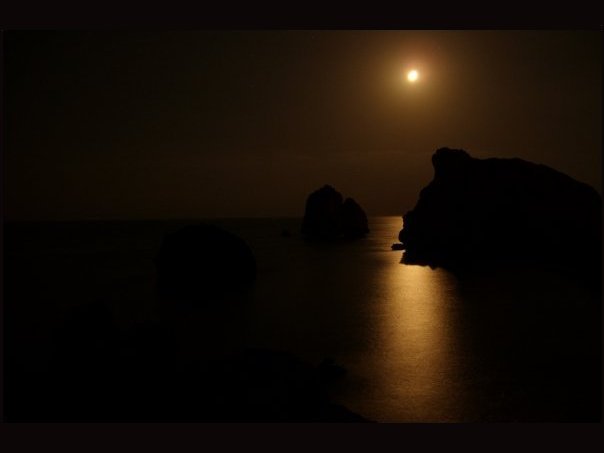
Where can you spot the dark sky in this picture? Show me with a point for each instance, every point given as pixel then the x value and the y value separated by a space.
pixel 119 125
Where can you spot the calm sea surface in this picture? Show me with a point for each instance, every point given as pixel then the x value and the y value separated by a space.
pixel 418 344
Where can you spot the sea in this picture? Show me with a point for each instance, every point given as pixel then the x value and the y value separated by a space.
pixel 418 344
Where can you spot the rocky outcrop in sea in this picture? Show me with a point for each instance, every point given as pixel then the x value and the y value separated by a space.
pixel 328 216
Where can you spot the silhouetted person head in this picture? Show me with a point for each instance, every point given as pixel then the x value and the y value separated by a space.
pixel 202 264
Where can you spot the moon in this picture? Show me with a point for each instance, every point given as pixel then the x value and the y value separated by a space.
pixel 413 76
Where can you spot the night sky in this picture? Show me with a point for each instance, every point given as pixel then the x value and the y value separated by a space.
pixel 142 125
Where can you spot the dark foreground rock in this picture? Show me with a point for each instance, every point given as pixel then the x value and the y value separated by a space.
pixel 503 210
pixel 142 378
pixel 203 262
pixel 328 216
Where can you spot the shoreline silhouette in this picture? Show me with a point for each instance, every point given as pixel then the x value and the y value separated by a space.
pixel 194 361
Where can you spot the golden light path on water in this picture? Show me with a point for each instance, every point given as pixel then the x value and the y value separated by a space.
pixel 419 337
pixel 415 353
pixel 395 328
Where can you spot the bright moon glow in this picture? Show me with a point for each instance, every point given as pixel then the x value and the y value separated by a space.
pixel 412 75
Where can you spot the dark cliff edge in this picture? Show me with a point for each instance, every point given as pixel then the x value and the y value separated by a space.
pixel 329 217
pixel 478 212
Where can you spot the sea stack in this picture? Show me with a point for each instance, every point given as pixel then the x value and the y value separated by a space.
pixel 328 216
pixel 478 211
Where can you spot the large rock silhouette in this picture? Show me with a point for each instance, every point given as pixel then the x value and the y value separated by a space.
pixel 203 262
pixel 502 210
pixel 327 216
